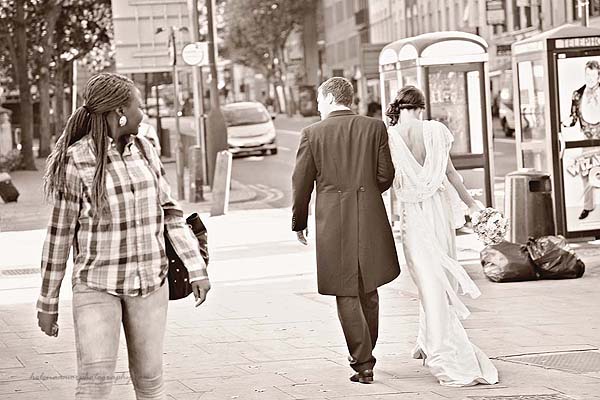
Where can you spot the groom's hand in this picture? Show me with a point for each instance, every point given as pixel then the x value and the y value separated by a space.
pixel 302 236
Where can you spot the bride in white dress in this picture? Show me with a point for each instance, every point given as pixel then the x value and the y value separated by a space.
pixel 429 191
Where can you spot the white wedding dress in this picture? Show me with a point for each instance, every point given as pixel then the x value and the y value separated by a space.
pixel 430 210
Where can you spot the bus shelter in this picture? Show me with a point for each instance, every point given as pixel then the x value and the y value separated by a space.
pixel 557 120
pixel 451 68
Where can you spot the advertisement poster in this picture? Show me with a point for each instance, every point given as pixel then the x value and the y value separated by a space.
pixel 448 101
pixel 581 174
pixel 579 97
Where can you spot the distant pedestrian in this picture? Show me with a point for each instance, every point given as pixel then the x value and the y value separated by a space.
pixel 147 130
pixel 348 157
pixel 111 208
pixel 374 108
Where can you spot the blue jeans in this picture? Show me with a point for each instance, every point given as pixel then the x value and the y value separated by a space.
pixel 97 318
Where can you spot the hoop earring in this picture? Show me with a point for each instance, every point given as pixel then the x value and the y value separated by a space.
pixel 122 121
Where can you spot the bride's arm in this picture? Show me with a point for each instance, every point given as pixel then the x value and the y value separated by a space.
pixel 458 184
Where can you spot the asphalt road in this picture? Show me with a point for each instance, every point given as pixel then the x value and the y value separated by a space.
pixel 270 176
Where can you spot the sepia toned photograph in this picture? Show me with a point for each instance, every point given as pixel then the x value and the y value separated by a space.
pixel 299 199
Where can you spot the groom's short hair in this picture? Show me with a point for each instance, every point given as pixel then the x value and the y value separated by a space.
pixel 341 89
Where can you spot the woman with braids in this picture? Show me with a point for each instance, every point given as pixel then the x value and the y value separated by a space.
pixel 112 204
pixel 429 191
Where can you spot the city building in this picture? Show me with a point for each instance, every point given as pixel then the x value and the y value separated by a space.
pixel 500 23
pixel 347 49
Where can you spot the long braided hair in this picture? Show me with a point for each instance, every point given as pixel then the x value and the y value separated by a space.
pixel 410 98
pixel 103 93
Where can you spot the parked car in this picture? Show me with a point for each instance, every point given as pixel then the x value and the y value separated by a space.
pixel 506 114
pixel 250 128
pixel 507 117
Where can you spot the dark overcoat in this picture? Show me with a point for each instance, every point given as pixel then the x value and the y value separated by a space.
pixel 348 157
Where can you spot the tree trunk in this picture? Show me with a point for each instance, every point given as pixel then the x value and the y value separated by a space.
pixel 59 98
pixel 51 15
pixel 44 88
pixel 21 68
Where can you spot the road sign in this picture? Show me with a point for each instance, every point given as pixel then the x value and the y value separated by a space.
pixel 195 54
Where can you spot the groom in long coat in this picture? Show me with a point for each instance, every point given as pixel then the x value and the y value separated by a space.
pixel 348 157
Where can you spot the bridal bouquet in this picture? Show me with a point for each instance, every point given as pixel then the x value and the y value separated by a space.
pixel 490 225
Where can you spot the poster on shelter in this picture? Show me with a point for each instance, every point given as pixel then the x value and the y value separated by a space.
pixel 579 97
pixel 581 176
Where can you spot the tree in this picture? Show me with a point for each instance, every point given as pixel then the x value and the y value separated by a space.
pixel 14 31
pixel 40 39
pixel 48 12
pixel 257 31
pixel 84 32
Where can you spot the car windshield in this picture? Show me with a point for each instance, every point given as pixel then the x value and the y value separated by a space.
pixel 245 116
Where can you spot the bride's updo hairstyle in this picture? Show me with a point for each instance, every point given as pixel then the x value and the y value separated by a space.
pixel 408 98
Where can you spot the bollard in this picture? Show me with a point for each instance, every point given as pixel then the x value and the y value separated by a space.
pixel 221 183
pixel 6 139
pixel 196 193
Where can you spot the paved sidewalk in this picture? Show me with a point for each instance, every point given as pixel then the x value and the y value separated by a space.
pixel 32 212
pixel 265 333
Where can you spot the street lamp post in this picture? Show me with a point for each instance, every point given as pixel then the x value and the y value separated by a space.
pixel 584 10
pixel 216 138
pixel 198 173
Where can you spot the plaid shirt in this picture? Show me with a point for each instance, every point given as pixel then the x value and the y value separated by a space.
pixel 121 251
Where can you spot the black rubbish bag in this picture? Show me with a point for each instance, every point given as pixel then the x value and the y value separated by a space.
pixel 507 262
pixel 554 258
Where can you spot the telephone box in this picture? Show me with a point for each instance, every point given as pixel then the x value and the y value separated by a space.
pixel 451 68
pixel 557 119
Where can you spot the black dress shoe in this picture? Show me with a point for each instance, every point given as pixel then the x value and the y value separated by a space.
pixel 365 376
pixel 584 214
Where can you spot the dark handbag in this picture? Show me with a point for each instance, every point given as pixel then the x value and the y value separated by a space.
pixel 507 262
pixel 554 258
pixel 178 275
pixel 8 191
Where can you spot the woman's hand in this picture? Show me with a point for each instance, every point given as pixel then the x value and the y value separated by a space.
pixel 47 322
pixel 200 289
pixel 475 207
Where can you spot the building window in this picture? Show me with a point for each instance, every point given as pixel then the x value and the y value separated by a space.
pixel 457 15
pixel 339 12
pixel 341 52
pixel 353 47
pixel 430 23
pixel 330 55
pixel 447 18
pixel 328 16
pixel 594 8
pixel 349 9
pixel 522 13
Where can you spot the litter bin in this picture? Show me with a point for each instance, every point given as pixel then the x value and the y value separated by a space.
pixel 528 205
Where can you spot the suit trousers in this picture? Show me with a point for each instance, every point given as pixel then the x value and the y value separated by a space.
pixel 359 316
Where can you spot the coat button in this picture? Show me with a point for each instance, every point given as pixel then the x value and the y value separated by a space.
pixel 339 191
pixel 362 189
